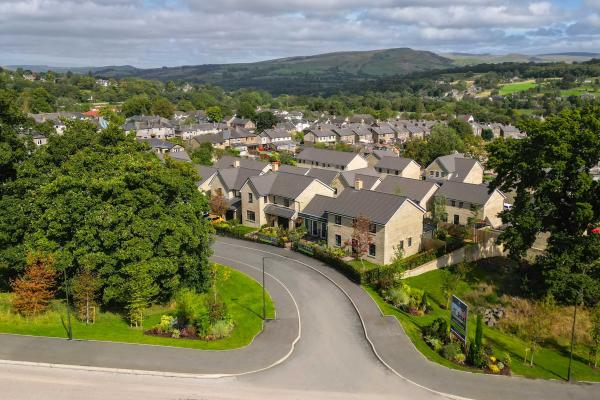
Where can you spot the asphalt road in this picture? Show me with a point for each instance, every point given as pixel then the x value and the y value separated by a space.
pixel 331 360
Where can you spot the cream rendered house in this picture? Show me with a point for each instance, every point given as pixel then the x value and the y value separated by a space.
pixel 399 166
pixel 330 159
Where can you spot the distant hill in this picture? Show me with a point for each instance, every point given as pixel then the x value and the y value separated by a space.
pixel 306 74
pixel 461 59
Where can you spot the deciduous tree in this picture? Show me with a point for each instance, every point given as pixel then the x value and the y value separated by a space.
pixel 34 290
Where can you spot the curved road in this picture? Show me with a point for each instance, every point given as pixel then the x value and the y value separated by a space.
pixel 331 360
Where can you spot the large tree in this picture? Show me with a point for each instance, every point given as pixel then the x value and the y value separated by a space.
pixel 102 202
pixel 549 172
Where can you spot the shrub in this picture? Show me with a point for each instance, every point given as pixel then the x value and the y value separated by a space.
pixel 460 358
pixel 506 359
pixel 166 323
pixel 398 297
pixel 216 309
pixel 189 331
pixel 220 329
pixel 438 329
pixel 36 287
pixel 175 333
pixel 450 351
pixel 435 343
pixel 494 369
pixel 189 306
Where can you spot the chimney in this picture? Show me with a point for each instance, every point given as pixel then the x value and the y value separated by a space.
pixel 358 184
pixel 236 163
pixel 274 166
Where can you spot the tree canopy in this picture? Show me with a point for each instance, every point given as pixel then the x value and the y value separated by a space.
pixel 549 171
pixel 102 202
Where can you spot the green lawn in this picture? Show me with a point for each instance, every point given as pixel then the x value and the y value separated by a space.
pixel 549 362
pixel 578 91
pixel 242 294
pixel 516 87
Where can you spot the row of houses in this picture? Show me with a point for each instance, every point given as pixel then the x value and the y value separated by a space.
pixel 498 130
pixel 327 192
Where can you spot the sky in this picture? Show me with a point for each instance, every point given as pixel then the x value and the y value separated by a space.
pixel 155 33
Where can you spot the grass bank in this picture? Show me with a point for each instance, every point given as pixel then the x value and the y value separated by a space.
pixel 551 360
pixel 242 294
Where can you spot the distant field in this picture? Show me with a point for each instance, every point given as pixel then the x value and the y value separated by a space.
pixel 578 91
pixel 517 87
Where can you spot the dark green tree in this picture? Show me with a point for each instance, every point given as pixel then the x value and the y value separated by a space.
pixel 203 155
pixel 163 107
pixel 264 120
pixel 549 171
pixel 137 105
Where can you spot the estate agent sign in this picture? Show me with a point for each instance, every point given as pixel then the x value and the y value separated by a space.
pixel 458 318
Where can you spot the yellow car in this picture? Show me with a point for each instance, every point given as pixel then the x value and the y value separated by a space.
pixel 215 219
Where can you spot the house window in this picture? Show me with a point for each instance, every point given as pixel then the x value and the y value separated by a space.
pixel 372 250
pixel 250 216
pixel 437 174
pixel 430 173
pixel 401 245
pixel 250 198
pixel 453 203
pixel 372 228
pixel 396 172
pixel 338 240
pixel 323 230
pixel 266 198
pixel 338 220
pixel 409 241
pixel 286 202
pixel 456 219
pixel 460 204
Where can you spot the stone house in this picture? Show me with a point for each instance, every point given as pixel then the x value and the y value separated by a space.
pixel 455 167
pixel 419 191
pixel 465 201
pixel 330 159
pixel 400 166
pixel 277 198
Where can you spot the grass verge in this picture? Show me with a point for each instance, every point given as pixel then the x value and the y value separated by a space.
pixel 242 294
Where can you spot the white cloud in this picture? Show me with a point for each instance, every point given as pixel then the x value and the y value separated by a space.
pixel 176 32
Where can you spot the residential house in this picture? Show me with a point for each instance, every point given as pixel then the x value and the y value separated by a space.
pixel 512 132
pixel 206 175
pixel 240 138
pixel 243 123
pixel 325 136
pixel 277 139
pixel 327 176
pixel 466 201
pixel 363 134
pixel 368 178
pixel 419 191
pixel 330 159
pixel 190 131
pixel 455 167
pixel 163 147
pixel 149 127
pixel 39 139
pixel 215 139
pixel 373 156
pixel 57 119
pixel 383 133
pixel 400 166
pixel 277 198
pixel 396 221
pixel 362 119
pixel 240 162
pixel 345 135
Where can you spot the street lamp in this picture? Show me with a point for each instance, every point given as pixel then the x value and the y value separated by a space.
pixel 69 328
pixel 579 299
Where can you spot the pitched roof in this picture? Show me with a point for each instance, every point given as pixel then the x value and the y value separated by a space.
pixel 477 194
pixel 281 184
pixel 209 138
pixel 395 163
pixel 317 206
pixel 344 132
pixel 279 211
pixel 322 132
pixel 379 154
pixel 378 207
pixel 324 175
pixel 456 164
pixel 368 175
pixel 291 169
pixel 158 143
pixel 275 133
pixel 327 156
pixel 414 189
pixel 205 173
pixel 228 161
pixel 234 178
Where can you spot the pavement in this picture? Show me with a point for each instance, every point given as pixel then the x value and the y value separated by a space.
pixel 346 349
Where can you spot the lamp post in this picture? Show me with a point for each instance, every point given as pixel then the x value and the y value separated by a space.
pixel 69 328
pixel 579 299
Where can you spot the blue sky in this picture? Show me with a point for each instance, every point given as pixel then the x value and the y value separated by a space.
pixel 153 33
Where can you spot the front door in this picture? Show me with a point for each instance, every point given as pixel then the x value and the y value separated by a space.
pixel 456 219
pixel 282 222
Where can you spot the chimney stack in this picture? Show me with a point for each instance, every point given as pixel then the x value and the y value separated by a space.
pixel 358 184
pixel 236 163
pixel 275 166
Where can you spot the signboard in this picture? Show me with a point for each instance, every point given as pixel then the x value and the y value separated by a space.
pixel 306 249
pixel 268 239
pixel 458 318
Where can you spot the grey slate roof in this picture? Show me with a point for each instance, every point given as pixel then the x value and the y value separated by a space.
pixel 326 176
pixel 179 155
pixel 378 207
pixel 234 178
pixel 414 189
pixel 395 163
pixel 275 133
pixel 227 162
pixel 344 132
pixel 322 132
pixel 368 175
pixel 279 211
pixel 290 169
pixel 477 194
pixel 205 173
pixel 158 143
pixel 281 184
pixel 214 138
pixel 317 206
pixel 379 154
pixel 326 156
